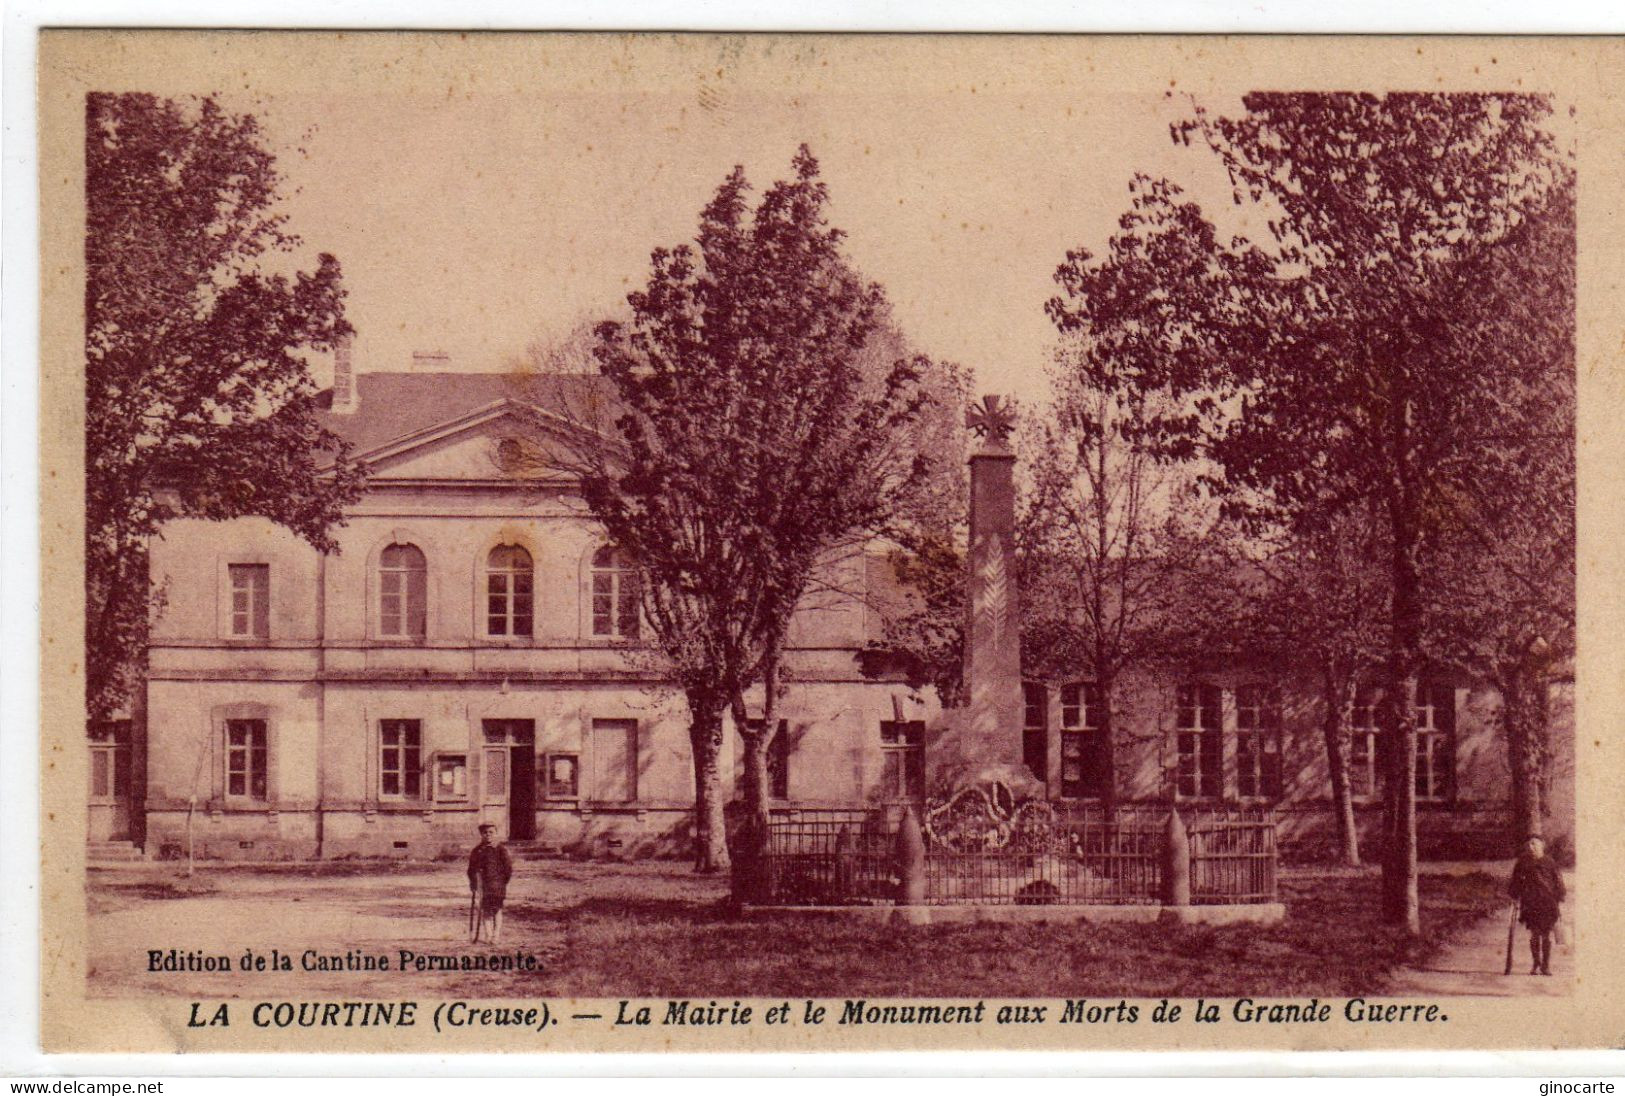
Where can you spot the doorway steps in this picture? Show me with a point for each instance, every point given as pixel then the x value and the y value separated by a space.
pixel 112 852
pixel 533 850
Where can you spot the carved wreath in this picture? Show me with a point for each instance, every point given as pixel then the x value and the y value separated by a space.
pixel 987 818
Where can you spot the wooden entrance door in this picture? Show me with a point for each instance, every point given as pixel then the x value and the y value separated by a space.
pixel 110 783
pixel 510 776
pixel 494 801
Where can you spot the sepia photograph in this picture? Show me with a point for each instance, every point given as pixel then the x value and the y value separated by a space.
pixel 827 541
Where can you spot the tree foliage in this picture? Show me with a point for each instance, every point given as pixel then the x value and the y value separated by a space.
pixel 1500 600
pixel 1357 364
pixel 1116 567
pixel 750 445
pixel 198 397
pixel 923 610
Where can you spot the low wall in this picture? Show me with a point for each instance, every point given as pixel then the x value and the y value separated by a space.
pixel 1252 913
pixel 975 851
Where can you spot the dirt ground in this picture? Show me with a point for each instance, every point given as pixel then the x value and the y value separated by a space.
pixel 1474 964
pixel 374 908
pixel 655 929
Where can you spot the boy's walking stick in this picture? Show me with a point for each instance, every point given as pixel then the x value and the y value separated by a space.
pixel 474 913
pixel 1512 935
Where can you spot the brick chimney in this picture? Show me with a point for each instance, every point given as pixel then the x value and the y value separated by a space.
pixel 346 395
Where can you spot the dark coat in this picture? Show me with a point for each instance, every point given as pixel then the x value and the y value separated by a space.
pixel 489 869
pixel 1537 885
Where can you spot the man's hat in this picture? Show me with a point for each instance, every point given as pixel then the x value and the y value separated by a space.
pixel 487 827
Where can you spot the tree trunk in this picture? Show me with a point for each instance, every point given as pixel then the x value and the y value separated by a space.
pixel 749 865
pixel 1400 902
pixel 1524 720
pixel 710 826
pixel 1108 750
pixel 753 834
pixel 1338 695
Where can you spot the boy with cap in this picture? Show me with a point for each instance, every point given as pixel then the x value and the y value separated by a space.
pixel 489 869
pixel 1537 887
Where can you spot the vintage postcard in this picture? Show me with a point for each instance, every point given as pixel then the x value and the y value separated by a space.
pixel 633 542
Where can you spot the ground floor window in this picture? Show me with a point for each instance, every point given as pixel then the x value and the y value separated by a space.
pixel 902 747
pixel 1199 730
pixel 1363 744
pixel 1435 714
pixel 400 766
pixel 615 760
pixel 247 755
pixel 1258 742
pixel 778 759
pixel 1435 740
pixel 1083 760
pixel 1035 728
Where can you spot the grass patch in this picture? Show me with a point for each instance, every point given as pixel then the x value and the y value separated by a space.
pixel 657 930
pixel 1330 945
pixel 108 895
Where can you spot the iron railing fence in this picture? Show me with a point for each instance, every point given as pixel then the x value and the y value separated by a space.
pixel 1075 863
pixel 1076 855
pixel 1233 860
pixel 831 861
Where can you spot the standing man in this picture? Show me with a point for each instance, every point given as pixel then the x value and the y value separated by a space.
pixel 489 869
pixel 1537 886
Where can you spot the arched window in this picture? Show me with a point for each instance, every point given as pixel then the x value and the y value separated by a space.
pixel 403 592
pixel 617 595
pixel 508 578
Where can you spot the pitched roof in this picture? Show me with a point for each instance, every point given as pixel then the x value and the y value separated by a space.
pixel 393 405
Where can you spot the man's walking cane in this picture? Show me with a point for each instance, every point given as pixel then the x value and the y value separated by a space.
pixel 1512 935
pixel 474 918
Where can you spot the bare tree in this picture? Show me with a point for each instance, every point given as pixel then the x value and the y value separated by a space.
pixel 1114 529
pixel 1321 602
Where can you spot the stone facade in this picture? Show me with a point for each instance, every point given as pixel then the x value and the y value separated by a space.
pixel 1464 813
pixel 324 731
pixel 382 700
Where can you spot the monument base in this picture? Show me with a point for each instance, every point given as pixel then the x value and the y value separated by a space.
pixel 965 753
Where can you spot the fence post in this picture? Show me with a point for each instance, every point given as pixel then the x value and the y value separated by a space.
pixel 845 867
pixel 1272 864
pixel 748 862
pixel 1176 862
pixel 910 860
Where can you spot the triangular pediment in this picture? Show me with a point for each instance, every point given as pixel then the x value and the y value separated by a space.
pixel 469 448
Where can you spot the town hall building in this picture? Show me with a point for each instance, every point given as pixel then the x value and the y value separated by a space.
pixel 474 652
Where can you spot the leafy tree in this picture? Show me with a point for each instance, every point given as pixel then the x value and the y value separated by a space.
pixel 923 612
pixel 1113 533
pixel 749 446
pixel 1320 602
pixel 1352 362
pixel 198 398
pixel 1500 602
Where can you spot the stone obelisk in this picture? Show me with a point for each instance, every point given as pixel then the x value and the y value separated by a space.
pixel 983 742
